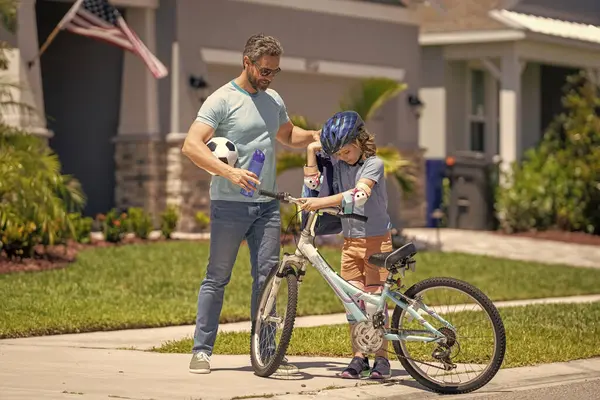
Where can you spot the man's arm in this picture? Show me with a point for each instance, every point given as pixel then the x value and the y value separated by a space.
pixel 195 148
pixel 296 137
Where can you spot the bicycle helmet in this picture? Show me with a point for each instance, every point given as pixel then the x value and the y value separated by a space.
pixel 340 130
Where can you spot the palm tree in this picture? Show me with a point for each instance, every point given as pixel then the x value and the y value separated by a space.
pixel 366 99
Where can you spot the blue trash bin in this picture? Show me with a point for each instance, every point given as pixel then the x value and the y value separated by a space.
pixel 434 172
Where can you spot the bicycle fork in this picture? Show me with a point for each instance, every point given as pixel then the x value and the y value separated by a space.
pixel 282 271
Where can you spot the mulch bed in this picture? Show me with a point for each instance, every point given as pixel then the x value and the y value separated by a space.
pixel 558 236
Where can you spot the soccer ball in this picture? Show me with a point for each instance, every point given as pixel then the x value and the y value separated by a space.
pixel 224 150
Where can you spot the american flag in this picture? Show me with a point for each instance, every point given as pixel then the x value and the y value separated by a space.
pixel 98 19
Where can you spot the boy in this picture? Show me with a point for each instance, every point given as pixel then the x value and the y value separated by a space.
pixel 358 180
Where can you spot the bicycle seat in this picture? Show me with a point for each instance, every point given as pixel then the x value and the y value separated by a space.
pixel 387 259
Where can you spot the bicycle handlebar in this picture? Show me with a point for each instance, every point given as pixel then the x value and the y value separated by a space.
pixel 286 197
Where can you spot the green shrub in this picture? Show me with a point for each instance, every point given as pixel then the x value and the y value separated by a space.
pixel 168 221
pixel 114 225
pixel 557 185
pixel 202 220
pixel 140 222
pixel 82 226
pixel 35 199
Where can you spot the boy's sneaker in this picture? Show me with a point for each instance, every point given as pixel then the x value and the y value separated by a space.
pixel 381 369
pixel 200 363
pixel 357 368
pixel 285 368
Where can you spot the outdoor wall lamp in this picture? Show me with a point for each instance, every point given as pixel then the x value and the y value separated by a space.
pixel 416 104
pixel 199 84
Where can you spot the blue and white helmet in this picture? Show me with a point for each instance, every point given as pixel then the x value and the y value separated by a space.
pixel 340 130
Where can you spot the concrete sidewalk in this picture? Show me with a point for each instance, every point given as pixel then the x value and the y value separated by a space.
pixel 143 339
pixel 38 372
pixel 514 248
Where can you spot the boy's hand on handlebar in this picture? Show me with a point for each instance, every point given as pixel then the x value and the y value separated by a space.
pixel 311 203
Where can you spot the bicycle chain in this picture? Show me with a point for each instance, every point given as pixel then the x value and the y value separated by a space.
pixel 412 359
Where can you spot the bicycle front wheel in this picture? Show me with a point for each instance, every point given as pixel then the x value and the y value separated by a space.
pixel 474 347
pixel 272 329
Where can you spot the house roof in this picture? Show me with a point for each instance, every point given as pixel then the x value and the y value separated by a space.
pixel 459 16
pixel 489 19
pixel 548 26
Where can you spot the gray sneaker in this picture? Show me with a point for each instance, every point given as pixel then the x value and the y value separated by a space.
pixel 285 368
pixel 200 363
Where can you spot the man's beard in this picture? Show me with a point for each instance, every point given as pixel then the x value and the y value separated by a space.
pixel 256 85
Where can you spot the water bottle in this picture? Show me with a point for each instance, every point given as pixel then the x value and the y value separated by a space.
pixel 256 165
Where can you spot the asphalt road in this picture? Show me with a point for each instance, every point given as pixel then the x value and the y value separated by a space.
pixel 588 389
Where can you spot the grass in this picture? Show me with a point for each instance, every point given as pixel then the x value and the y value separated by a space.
pixel 151 285
pixel 536 334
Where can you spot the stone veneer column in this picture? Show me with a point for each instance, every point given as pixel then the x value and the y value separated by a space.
pixel 139 150
pixel 187 185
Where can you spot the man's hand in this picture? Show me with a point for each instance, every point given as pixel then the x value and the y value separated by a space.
pixel 311 203
pixel 317 135
pixel 242 178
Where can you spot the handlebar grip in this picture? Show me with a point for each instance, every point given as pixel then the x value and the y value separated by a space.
pixel 278 196
pixel 355 216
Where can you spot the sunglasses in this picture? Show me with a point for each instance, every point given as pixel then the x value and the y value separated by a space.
pixel 266 71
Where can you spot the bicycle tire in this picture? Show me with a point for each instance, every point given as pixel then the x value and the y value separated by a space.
pixel 290 316
pixel 494 316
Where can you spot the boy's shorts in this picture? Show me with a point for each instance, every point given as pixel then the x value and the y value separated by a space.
pixel 355 255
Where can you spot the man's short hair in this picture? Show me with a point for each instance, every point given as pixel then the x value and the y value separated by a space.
pixel 261 45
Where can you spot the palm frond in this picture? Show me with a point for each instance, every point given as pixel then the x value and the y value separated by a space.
pixel 370 95
pixel 398 166
pixel 8 14
pixel 287 160
pixel 302 122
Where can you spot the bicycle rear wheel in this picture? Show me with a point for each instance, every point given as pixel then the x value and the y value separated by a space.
pixel 271 336
pixel 474 350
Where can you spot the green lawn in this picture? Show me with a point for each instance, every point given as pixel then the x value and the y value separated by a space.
pixel 535 334
pixel 157 284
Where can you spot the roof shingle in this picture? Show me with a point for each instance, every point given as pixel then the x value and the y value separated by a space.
pixel 460 15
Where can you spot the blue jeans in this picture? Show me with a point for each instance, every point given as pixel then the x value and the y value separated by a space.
pixel 230 223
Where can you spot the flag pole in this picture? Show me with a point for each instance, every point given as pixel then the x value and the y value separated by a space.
pixel 67 17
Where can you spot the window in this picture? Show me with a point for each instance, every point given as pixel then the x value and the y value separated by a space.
pixel 477 111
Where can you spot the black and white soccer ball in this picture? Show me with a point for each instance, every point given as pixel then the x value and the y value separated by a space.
pixel 224 149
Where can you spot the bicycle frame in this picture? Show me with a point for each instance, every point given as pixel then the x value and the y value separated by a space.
pixel 351 295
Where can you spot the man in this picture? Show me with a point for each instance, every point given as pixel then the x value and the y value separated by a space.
pixel 252 116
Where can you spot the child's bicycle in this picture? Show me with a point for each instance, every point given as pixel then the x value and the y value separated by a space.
pixel 446 333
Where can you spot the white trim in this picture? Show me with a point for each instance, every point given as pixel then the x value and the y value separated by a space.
pixel 126 3
pixel 358 70
pixel 548 26
pixel 175 81
pixel 434 39
pixel 303 65
pixel 501 17
pixel 357 9
pixel 491 67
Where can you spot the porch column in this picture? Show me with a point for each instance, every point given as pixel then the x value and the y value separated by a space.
pixel 187 186
pixel 510 110
pixel 25 49
pixel 137 144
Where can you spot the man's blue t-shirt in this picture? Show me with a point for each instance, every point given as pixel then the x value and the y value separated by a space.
pixel 251 122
